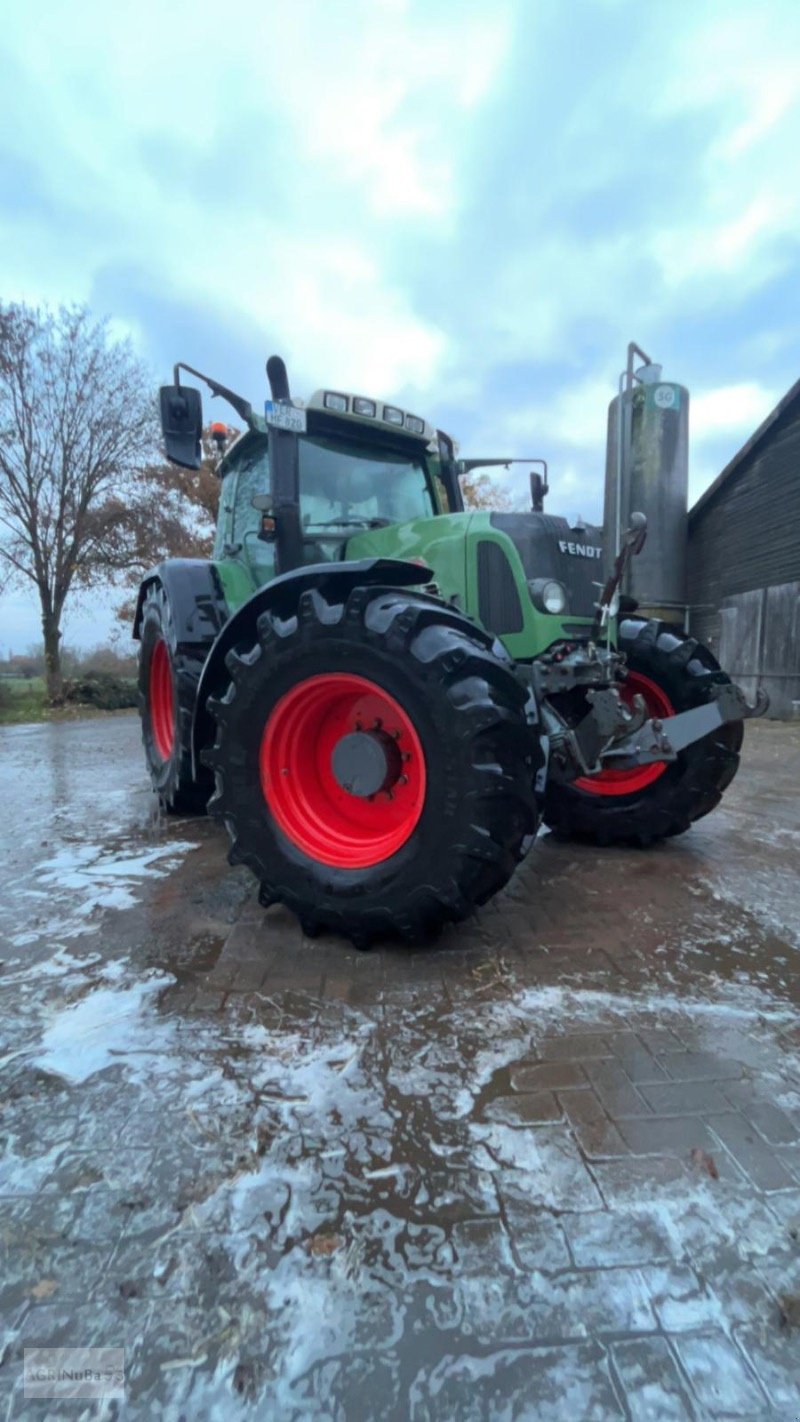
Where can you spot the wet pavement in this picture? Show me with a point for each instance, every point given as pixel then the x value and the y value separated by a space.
pixel 550 1169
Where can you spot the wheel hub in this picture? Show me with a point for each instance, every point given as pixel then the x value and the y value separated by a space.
pixel 343 770
pixel 366 762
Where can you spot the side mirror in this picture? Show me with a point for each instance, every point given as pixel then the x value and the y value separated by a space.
pixel 538 491
pixel 182 424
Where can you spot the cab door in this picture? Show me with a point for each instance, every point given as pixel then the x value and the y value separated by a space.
pixel 247 475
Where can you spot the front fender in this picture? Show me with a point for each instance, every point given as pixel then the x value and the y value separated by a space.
pixel 195 596
pixel 334 580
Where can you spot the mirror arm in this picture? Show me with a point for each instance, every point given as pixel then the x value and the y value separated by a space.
pixel 240 405
pixel 466 466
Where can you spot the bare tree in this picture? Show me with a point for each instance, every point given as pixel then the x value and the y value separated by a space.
pixel 77 424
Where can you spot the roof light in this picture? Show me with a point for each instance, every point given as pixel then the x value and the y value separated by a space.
pixel 415 424
pixel 392 415
pixel 364 407
pixel 336 402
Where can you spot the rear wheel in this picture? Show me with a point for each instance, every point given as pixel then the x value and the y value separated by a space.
pixel 673 673
pixel 374 764
pixel 168 678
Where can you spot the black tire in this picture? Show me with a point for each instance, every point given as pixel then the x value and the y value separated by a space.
pixel 470 712
pixel 688 788
pixel 170 773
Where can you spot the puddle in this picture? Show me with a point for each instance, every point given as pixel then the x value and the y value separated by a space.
pixel 313 1191
pixel 90 836
pixel 82 881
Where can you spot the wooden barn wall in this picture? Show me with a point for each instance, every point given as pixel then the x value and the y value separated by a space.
pixel 748 536
pixel 760 644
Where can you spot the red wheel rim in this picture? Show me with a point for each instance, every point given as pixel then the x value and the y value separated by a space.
pixel 162 703
pixel 628 782
pixel 303 794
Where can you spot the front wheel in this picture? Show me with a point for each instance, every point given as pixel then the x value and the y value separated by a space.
pixel 673 673
pixel 375 765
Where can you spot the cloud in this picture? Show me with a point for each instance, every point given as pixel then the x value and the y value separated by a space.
pixel 731 409
pixel 267 169
pixel 720 421
pixel 576 417
pixel 468 209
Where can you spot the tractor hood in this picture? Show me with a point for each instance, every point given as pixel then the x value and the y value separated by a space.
pixel 549 547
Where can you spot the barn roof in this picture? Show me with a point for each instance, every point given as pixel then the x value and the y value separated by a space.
pixel 738 459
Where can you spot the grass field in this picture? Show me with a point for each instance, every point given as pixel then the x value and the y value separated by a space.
pixel 24 700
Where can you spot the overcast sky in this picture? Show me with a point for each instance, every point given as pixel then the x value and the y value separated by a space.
pixel 469 209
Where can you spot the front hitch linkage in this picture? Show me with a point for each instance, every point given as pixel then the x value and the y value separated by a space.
pixel 656 739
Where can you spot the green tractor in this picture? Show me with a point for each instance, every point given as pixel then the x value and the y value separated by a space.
pixel 381 693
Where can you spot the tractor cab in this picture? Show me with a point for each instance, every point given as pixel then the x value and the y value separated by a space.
pixel 351 477
pixel 306 477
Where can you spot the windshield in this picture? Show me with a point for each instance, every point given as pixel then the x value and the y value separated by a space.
pixel 360 486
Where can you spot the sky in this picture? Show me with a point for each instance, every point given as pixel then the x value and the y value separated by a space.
pixel 466 208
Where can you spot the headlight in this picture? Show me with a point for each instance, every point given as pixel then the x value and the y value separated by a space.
pixel 548 595
pixel 392 415
pixel 415 424
pixel 363 407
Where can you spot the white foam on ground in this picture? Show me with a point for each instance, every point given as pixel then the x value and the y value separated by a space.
pixel 318 1305
pixel 103 1029
pixel 82 880
pixel 330 1090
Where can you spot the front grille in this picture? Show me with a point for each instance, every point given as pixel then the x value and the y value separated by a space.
pixel 499 607
pixel 537 539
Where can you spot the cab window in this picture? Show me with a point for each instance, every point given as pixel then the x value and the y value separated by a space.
pixel 360 486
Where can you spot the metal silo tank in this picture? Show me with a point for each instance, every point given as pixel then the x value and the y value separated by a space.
pixel 652 419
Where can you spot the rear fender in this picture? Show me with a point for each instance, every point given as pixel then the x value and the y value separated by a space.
pixel 334 580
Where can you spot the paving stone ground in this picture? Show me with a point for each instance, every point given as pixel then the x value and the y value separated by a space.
pixel 550 1169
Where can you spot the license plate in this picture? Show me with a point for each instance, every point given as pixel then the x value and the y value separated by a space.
pixel 285 417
